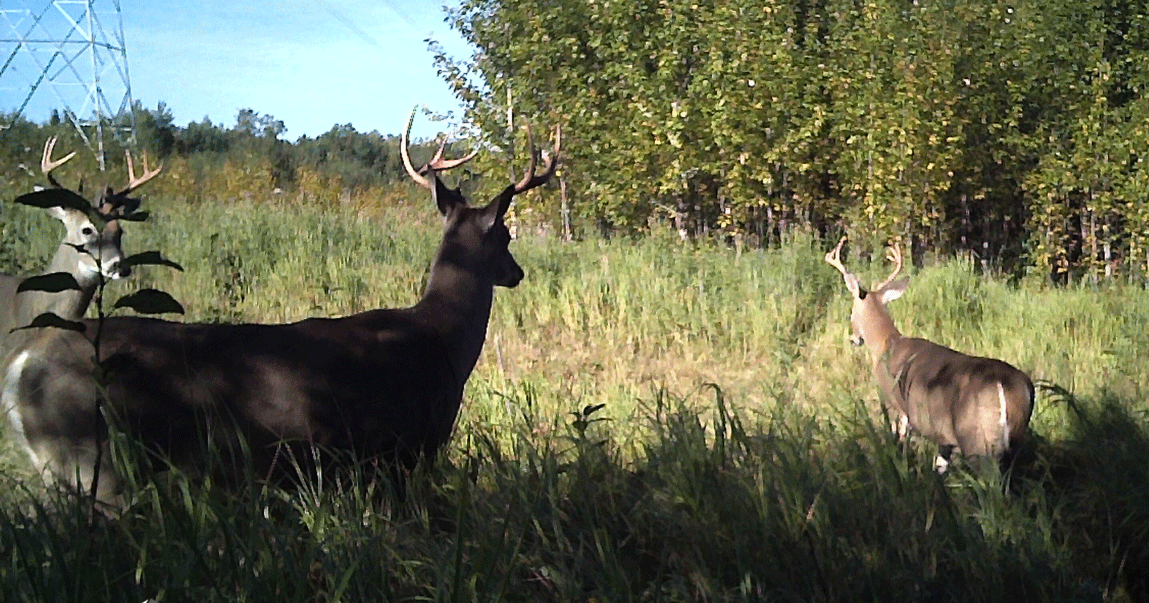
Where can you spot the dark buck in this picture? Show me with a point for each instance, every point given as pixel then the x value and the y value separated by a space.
pixel 977 406
pixel 383 385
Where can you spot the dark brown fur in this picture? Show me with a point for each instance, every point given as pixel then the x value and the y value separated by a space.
pixel 382 385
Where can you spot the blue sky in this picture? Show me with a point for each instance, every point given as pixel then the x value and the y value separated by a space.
pixel 310 63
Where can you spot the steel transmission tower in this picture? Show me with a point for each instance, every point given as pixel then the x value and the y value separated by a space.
pixel 68 56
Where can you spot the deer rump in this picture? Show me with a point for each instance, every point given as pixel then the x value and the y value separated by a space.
pixel 957 400
pixel 376 386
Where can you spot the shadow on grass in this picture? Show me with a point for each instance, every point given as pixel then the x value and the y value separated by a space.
pixel 780 507
pixel 1099 473
pixel 717 504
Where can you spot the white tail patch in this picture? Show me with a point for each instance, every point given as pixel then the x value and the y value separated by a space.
pixel 9 399
pixel 1002 421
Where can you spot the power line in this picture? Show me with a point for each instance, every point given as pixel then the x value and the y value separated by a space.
pixel 69 56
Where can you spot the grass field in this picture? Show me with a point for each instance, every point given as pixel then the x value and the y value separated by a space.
pixel 650 421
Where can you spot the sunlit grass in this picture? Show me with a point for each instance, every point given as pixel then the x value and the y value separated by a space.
pixel 740 453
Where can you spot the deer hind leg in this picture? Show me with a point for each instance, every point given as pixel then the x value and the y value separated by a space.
pixel 62 440
pixel 85 467
pixel 982 430
pixel 82 465
pixel 942 462
pixel 79 462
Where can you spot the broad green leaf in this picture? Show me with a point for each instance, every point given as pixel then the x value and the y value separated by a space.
pixel 50 320
pixel 150 258
pixel 54 282
pixel 55 197
pixel 150 301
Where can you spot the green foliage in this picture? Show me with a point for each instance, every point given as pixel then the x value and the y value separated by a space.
pixel 56 197
pixel 735 507
pixel 205 161
pixel 54 282
pixel 651 419
pixel 1015 132
pixel 149 301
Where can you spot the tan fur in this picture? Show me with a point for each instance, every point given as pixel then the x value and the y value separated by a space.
pixel 978 406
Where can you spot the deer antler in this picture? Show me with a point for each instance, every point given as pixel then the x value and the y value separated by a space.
pixel 834 258
pixel 47 164
pixel 530 180
pixel 437 163
pixel 135 182
pixel 894 254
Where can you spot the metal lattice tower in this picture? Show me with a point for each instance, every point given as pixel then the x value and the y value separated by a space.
pixel 68 56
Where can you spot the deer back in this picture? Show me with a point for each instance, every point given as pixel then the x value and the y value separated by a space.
pixel 979 405
pixel 373 383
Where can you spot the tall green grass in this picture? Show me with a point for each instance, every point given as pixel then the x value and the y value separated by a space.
pixel 650 420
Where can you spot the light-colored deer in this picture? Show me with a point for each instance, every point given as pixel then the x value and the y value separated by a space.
pixel 88 253
pixel 383 385
pixel 978 406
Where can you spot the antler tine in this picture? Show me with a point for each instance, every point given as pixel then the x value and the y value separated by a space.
pixel 46 163
pixel 521 185
pixel 419 179
pixel 437 163
pixel 894 254
pixel 834 258
pixel 530 180
pixel 133 181
pixel 434 160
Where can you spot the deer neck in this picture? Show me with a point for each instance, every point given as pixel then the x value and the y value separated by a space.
pixel 880 336
pixel 457 303
pixel 70 304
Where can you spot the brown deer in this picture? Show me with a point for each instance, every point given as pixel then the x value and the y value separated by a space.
pixel 978 406
pixel 382 385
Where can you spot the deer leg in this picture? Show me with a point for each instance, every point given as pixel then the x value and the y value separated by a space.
pixel 902 427
pixel 942 462
pixel 65 441
pixel 899 421
pixel 89 470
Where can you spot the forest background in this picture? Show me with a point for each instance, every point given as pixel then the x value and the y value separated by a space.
pixel 667 407
pixel 1013 132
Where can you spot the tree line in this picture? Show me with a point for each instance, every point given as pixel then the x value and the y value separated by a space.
pixel 206 160
pixel 1014 132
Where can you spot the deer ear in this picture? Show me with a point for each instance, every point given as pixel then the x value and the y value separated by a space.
pixel 494 212
pixel 446 199
pixel 893 290
pixel 852 285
